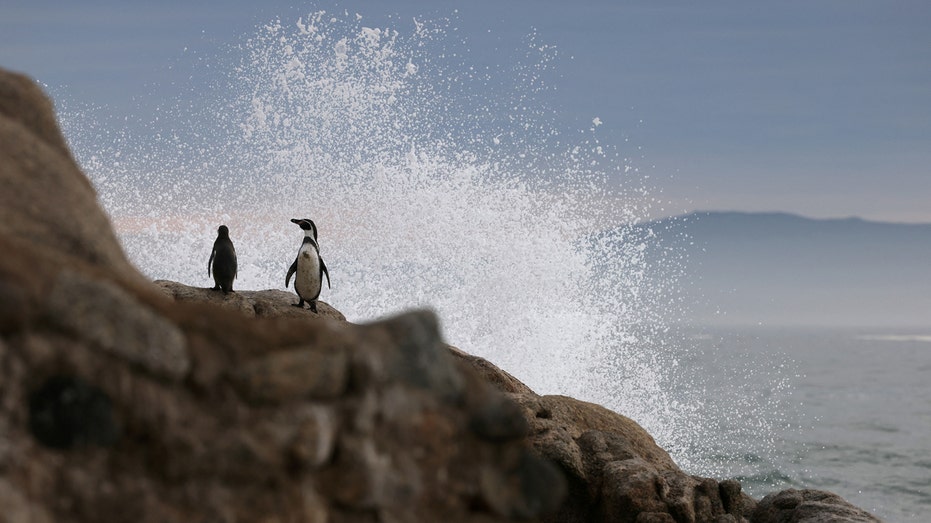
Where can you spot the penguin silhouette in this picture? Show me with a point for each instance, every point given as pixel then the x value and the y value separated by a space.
pixel 222 262
pixel 309 267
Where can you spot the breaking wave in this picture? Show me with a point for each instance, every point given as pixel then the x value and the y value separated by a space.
pixel 434 182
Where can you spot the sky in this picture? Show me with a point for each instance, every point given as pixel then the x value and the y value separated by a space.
pixel 816 107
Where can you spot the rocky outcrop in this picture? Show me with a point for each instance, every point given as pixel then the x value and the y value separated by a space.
pixel 123 400
pixel 261 304
pixel 46 202
pixel 808 506
pixel 615 470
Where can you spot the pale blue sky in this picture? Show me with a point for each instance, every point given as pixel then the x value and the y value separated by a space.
pixel 820 107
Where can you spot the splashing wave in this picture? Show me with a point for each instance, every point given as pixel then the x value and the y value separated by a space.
pixel 434 183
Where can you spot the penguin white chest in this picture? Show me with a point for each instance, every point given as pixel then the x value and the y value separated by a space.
pixel 307 282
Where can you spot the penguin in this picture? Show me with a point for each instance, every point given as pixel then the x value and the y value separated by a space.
pixel 222 261
pixel 309 267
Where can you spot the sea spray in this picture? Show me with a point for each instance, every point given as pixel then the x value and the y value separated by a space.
pixel 434 183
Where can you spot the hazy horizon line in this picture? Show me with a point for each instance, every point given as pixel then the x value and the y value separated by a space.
pixel 850 217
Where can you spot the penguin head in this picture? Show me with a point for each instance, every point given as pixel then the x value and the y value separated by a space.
pixel 307 225
pixel 223 231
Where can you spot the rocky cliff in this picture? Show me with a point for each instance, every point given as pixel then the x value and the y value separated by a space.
pixel 125 400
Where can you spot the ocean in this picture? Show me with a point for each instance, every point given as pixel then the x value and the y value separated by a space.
pixel 857 413
pixel 443 184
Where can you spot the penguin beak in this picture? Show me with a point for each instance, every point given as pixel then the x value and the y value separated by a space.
pixel 295 220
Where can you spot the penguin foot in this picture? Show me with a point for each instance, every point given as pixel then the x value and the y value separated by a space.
pixel 313 306
pixel 301 305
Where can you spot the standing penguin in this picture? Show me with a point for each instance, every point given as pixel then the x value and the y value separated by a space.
pixel 222 261
pixel 309 267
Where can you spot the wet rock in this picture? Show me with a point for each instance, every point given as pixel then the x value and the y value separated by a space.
pixel 808 506
pixel 491 374
pixel 735 501
pixel 524 487
pixel 615 470
pixel 630 487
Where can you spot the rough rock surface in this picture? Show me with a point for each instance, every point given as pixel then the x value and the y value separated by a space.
pixel 262 304
pixel 614 468
pixel 122 400
pixel 808 506
pixel 45 199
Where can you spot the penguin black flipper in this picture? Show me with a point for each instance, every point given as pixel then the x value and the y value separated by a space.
pixel 326 272
pixel 291 271
pixel 213 253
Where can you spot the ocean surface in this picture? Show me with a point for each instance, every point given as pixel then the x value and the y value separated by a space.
pixel 857 418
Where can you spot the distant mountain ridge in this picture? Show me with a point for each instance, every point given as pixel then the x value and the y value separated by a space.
pixel 783 222
pixel 785 269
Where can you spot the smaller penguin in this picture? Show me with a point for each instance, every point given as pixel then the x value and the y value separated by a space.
pixel 309 267
pixel 222 262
